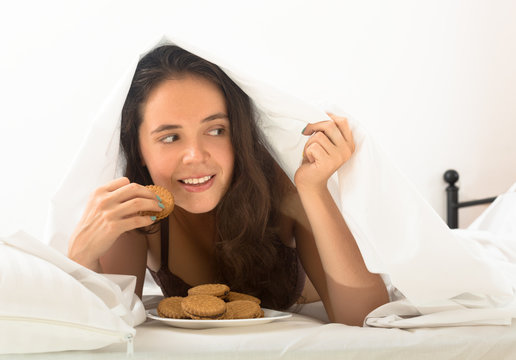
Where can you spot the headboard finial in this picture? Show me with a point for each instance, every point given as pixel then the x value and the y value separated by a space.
pixel 451 177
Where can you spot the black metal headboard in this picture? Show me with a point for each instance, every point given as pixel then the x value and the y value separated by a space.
pixel 452 199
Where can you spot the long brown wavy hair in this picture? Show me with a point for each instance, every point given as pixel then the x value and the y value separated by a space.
pixel 249 254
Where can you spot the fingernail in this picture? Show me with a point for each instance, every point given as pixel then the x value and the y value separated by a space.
pixel 159 199
pixel 161 205
pixel 303 131
pixel 153 218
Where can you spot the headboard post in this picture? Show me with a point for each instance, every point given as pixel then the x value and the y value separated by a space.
pixel 452 193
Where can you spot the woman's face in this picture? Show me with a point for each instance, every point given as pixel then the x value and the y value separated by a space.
pixel 185 141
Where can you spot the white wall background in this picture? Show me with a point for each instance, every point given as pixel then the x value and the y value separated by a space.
pixel 435 81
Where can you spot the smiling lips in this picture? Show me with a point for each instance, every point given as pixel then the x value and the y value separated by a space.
pixel 197 181
pixel 197 184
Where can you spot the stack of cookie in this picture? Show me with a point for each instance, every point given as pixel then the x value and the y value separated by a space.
pixel 211 302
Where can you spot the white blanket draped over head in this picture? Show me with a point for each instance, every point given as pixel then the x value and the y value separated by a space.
pixel 399 234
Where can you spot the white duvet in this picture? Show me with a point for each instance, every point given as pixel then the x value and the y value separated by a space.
pixel 445 277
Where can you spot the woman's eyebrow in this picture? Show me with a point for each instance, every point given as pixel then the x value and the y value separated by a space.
pixel 166 127
pixel 215 117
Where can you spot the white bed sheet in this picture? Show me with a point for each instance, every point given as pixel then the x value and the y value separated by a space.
pixel 305 337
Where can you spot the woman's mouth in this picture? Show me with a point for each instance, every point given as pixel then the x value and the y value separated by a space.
pixel 195 181
pixel 197 184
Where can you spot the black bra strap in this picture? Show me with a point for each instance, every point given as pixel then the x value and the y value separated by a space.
pixel 164 243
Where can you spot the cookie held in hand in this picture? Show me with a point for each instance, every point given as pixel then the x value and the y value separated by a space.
pixel 166 199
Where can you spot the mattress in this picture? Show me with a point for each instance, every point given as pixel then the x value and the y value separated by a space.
pixel 305 335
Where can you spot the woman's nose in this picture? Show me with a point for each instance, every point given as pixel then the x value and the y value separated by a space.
pixel 194 153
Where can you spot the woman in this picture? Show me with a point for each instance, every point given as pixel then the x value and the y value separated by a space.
pixel 188 127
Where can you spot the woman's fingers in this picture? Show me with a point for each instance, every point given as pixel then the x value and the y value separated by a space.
pixel 315 153
pixel 114 185
pixel 132 191
pixel 318 146
pixel 329 128
pixel 134 222
pixel 137 205
pixel 330 145
pixel 336 130
pixel 120 200
pixel 343 125
pixel 121 191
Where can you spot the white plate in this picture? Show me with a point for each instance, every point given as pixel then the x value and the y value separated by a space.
pixel 269 316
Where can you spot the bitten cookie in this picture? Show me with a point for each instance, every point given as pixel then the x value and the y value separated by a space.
pixel 218 290
pixel 233 296
pixel 203 307
pixel 171 308
pixel 243 309
pixel 166 199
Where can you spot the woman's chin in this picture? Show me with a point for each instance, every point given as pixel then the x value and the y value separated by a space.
pixel 196 208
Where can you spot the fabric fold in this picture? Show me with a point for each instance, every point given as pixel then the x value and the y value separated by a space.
pixel 115 291
pixel 50 303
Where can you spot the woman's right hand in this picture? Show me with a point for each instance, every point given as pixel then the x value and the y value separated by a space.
pixel 112 210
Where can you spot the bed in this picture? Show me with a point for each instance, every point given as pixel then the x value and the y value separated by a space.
pixel 304 336
pixel 307 334
pixel 452 199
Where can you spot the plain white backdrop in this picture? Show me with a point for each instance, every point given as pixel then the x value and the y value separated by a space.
pixel 434 81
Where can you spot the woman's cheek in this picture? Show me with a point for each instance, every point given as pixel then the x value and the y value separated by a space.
pixel 160 171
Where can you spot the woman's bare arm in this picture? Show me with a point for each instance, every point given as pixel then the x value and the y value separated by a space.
pixel 334 264
pixel 128 256
pixel 349 291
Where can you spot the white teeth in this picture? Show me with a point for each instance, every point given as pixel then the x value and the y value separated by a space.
pixel 196 181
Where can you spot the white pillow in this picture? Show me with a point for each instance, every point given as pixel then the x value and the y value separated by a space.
pixel 50 303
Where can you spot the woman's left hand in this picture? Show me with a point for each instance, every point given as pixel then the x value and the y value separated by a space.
pixel 329 146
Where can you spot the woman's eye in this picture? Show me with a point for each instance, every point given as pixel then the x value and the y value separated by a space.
pixel 168 139
pixel 216 132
